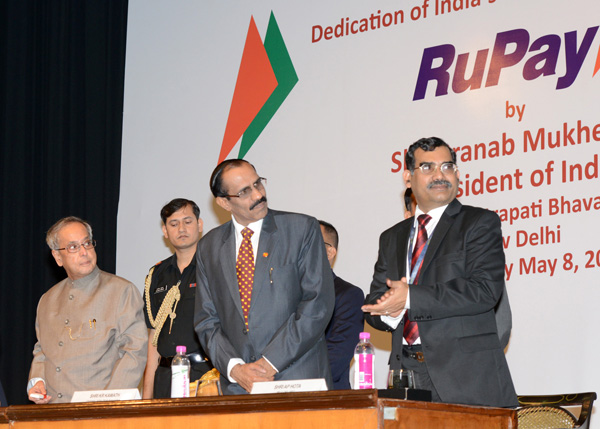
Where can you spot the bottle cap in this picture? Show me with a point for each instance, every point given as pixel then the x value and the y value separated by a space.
pixel 181 349
pixel 364 336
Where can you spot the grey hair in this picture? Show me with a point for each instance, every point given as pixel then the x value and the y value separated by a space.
pixel 52 234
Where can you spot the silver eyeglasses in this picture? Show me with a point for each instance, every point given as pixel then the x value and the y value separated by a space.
pixel 247 191
pixel 429 168
pixel 74 247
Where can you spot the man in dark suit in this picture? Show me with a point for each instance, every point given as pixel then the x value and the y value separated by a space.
pixel 269 322
pixel 502 311
pixel 342 333
pixel 444 269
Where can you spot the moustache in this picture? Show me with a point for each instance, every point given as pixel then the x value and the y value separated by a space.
pixel 439 183
pixel 262 200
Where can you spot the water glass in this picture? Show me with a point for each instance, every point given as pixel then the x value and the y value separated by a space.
pixel 401 379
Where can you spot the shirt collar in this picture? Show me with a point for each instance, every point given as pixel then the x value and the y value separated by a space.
pixel 87 280
pixel 254 226
pixel 435 214
pixel 173 263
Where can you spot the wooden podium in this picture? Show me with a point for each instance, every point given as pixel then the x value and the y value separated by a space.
pixel 334 409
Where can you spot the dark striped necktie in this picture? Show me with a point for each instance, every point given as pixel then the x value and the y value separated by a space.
pixel 411 330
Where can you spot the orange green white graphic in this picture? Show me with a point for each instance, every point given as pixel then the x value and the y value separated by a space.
pixel 265 79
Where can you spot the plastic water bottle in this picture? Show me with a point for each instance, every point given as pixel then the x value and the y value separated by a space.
pixel 180 374
pixel 364 360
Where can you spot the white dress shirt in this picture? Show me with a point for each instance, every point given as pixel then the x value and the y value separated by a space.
pixel 256 227
pixel 435 214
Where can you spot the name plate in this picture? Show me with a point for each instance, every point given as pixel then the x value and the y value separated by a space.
pixel 280 386
pixel 106 395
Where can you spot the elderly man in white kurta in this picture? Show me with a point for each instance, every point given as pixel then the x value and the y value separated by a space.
pixel 90 327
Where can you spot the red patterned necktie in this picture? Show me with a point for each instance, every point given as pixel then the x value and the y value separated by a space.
pixel 411 330
pixel 245 271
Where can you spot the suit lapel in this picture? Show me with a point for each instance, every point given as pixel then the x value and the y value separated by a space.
pixel 227 258
pixel 266 246
pixel 440 232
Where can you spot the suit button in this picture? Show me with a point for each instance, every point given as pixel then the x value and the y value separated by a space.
pixel 59 395
pixel 397 357
pixel 58 369
pixel 60 343
pixel 245 331
pixel 252 358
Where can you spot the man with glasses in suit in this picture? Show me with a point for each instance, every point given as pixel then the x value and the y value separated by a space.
pixel 438 278
pixel 265 291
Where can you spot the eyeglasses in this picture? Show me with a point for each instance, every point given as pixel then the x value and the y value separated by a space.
pixel 247 191
pixel 429 168
pixel 327 244
pixel 74 248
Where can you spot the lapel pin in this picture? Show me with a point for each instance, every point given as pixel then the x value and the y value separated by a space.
pixel 265 255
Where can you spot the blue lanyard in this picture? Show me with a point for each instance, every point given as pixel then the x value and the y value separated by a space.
pixel 414 270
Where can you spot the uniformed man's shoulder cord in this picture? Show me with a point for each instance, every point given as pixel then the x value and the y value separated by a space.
pixel 167 307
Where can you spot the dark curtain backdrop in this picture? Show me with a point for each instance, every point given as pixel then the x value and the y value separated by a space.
pixel 61 108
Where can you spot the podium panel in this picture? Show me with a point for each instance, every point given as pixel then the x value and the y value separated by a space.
pixel 334 409
pixel 428 415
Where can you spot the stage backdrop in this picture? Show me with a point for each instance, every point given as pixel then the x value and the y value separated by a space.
pixel 324 98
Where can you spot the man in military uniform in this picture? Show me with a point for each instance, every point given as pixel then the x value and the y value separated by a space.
pixel 169 301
